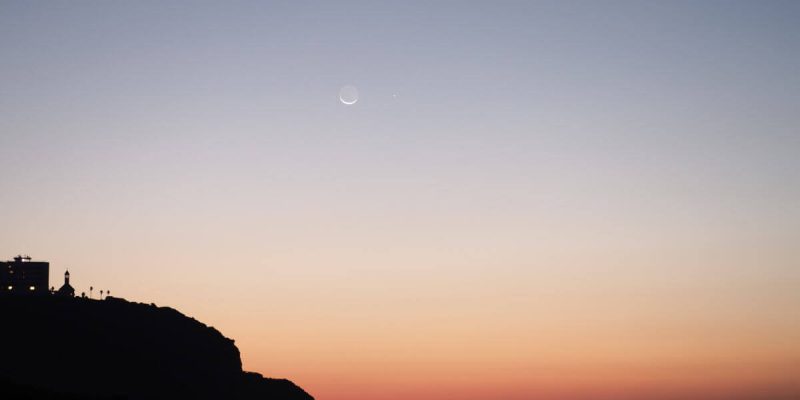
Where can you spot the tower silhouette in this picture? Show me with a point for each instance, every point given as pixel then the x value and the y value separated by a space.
pixel 67 289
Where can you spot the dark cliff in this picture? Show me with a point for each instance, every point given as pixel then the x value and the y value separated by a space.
pixel 72 348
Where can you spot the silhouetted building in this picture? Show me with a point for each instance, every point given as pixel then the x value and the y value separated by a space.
pixel 66 289
pixel 24 277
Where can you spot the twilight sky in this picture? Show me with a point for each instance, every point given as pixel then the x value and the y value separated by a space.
pixel 560 200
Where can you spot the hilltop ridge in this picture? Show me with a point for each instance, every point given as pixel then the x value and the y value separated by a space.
pixel 74 348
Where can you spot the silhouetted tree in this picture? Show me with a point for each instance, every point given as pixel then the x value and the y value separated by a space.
pixel 91 288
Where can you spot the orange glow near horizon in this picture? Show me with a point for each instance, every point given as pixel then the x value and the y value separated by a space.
pixel 346 326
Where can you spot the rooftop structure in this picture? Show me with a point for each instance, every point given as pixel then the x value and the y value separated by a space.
pixel 22 276
pixel 67 289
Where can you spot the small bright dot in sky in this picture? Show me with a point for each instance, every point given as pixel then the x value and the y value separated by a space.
pixel 348 95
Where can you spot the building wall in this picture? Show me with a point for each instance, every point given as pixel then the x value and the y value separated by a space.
pixel 24 278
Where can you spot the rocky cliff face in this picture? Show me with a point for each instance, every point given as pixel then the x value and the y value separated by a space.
pixel 54 347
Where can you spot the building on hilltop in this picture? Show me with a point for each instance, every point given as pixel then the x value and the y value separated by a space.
pixel 24 277
pixel 66 290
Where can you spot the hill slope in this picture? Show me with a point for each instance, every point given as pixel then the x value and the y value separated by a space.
pixel 77 348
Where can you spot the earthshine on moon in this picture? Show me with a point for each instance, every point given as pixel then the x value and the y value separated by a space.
pixel 348 95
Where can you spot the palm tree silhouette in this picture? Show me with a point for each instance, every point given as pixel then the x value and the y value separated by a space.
pixel 90 291
pixel 101 295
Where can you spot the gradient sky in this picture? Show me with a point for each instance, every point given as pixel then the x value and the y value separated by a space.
pixel 550 200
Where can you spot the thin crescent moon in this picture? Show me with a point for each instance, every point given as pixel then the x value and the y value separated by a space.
pixel 348 95
pixel 349 103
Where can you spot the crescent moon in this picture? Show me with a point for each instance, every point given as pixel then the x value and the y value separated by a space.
pixel 348 95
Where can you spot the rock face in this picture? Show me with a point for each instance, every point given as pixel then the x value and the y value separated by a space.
pixel 72 348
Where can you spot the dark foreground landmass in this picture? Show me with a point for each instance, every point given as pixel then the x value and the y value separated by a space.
pixel 71 348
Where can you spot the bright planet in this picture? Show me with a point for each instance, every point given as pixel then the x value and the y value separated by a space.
pixel 348 95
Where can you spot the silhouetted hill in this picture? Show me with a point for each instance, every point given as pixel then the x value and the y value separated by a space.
pixel 72 348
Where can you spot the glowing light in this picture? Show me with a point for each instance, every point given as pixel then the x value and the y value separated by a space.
pixel 32 288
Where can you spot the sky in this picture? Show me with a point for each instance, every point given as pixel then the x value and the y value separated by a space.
pixel 565 200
